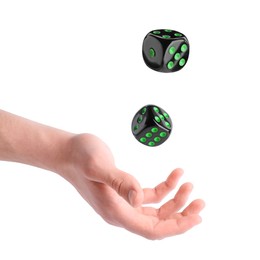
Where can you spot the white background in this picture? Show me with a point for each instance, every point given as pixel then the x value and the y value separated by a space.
pixel 77 65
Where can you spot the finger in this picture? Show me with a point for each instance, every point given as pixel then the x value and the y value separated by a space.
pixel 172 227
pixel 187 222
pixel 156 194
pixel 175 204
pixel 195 207
pixel 126 186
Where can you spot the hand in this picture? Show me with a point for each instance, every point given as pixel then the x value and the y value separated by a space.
pixel 118 198
pixel 88 164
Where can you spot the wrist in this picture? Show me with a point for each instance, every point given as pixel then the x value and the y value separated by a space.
pixel 28 142
pixel 66 164
pixel 57 158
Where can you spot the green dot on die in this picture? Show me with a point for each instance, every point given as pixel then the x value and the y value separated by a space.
pixel 167 30
pixel 172 50
pixel 182 62
pixel 166 36
pixel 154 130
pixel 156 32
pixel 152 52
pixel 157 139
pixel 162 117
pixel 157 119
pixel 139 119
pixel 142 139
pixel 168 125
pixel 148 135
pixel 184 47
pixel 143 111
pixel 177 56
pixel 170 65
pixel 163 134
pixel 156 109
pixel 136 127
pixel 177 34
pixel 166 115
pixel 151 143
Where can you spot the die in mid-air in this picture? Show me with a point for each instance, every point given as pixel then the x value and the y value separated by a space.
pixel 165 50
pixel 151 125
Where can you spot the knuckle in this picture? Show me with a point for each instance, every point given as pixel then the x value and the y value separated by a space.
pixel 117 185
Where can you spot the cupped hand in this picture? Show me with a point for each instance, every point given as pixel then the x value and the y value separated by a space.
pixel 118 198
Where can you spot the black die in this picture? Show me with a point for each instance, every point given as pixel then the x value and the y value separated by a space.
pixel 151 125
pixel 165 50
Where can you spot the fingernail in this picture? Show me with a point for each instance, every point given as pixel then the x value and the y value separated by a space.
pixel 131 197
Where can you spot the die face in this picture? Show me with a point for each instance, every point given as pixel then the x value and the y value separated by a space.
pixel 151 125
pixel 165 50
pixel 153 51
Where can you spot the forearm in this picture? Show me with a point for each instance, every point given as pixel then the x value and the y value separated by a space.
pixel 31 143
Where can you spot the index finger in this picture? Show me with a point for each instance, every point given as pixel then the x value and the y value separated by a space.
pixel 156 194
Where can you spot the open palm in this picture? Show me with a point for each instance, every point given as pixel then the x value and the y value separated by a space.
pixel 118 198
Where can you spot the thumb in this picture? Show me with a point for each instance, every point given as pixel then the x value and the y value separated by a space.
pixel 127 187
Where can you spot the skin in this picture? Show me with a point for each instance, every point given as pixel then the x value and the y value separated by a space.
pixel 88 164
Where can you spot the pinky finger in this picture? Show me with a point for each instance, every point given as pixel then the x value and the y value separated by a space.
pixel 172 227
pixel 188 222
